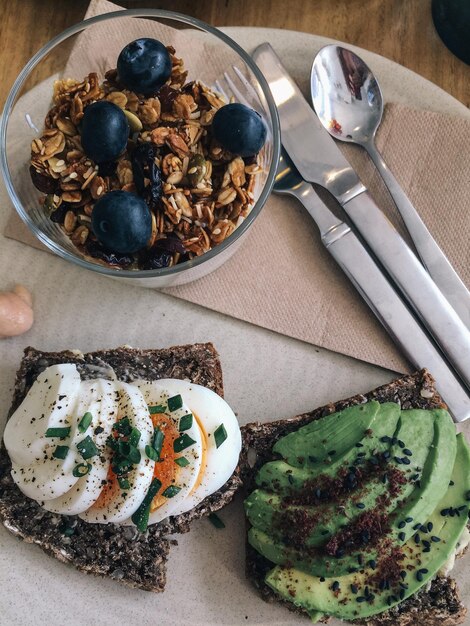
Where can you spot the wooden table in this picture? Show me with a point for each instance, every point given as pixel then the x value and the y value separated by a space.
pixel 401 30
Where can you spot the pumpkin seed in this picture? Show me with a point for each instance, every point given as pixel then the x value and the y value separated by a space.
pixel 196 169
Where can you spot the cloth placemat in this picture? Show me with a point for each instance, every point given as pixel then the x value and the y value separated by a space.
pixel 284 280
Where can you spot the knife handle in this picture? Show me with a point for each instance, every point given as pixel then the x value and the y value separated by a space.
pixel 433 258
pixel 410 277
pixel 397 319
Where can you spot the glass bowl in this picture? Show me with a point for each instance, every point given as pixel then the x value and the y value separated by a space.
pixel 93 45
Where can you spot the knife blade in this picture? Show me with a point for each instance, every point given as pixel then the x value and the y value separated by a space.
pixel 320 161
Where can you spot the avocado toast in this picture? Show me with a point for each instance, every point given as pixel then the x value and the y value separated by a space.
pixel 354 509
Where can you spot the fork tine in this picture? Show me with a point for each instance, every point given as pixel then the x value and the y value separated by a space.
pixel 220 89
pixel 236 92
pixel 248 86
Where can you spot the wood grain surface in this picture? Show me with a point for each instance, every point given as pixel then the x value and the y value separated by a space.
pixel 401 30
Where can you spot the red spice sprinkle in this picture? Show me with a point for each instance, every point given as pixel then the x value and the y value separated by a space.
pixel 368 528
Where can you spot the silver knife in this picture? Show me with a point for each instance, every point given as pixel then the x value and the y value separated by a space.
pixel 362 271
pixel 320 161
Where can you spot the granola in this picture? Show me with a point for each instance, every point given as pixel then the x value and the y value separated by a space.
pixel 197 191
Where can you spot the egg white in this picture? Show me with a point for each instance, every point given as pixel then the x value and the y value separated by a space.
pixel 126 502
pixel 154 394
pixel 99 398
pixel 50 403
pixel 211 411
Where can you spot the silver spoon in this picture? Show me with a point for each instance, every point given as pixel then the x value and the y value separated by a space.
pixel 349 104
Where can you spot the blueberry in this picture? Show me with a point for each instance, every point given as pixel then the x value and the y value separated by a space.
pixel 104 131
pixel 144 65
pixel 239 129
pixel 122 222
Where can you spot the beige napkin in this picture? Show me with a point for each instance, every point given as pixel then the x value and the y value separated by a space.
pixel 282 279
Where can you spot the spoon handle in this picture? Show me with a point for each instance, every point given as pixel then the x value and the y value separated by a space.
pixel 433 258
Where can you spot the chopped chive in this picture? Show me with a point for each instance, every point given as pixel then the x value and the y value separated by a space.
pixel 141 516
pixel 158 408
pixel 171 491
pixel 215 520
pixel 175 403
pixel 123 426
pixel 60 452
pixel 87 447
pixel 186 422
pixel 134 455
pixel 157 443
pixel 81 469
pixel 151 453
pixel 183 442
pixel 134 437
pixel 85 422
pixel 182 461
pixel 123 482
pixel 220 435
pixel 62 433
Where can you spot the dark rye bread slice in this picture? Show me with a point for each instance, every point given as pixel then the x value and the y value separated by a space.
pixel 136 559
pixel 438 606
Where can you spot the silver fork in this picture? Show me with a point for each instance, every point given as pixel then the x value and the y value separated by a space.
pixel 361 269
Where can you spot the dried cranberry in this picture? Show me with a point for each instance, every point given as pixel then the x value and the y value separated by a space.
pixel 46 184
pixel 97 251
pixel 155 259
pixel 144 166
pixel 171 243
pixel 107 168
pixel 167 95
pixel 58 215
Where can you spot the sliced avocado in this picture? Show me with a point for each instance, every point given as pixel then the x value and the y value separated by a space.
pixel 282 478
pixel 311 444
pixel 265 510
pixel 419 565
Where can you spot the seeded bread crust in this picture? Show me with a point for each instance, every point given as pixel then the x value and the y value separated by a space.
pixel 135 559
pixel 440 605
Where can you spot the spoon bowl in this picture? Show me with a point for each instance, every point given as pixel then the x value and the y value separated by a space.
pixel 346 95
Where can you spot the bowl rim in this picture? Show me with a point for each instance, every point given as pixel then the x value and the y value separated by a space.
pixel 135 13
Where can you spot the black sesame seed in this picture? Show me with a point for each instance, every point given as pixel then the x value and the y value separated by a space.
pixel 360 599
pixel 402 594
pixel 435 539
pixel 331 452
pixel 385 439
pixel 359 445
pixel 408 452
pixel 361 505
pixel 451 483
pixel 405 460
pixel 423 528
pixel 324 532
pixel 445 512
pixel 360 560
pixel 372 564
pixel 427 549
pixel 403 585
pixel 462 508
pixel 403 574
pixel 389 600
pixel 291 479
pixel 354 588
pixel 408 520
pixel 426 544
pixel 335 586
pixel 352 570
pixel 397 459
pixel 416 526
pixel 384 478
pixel 394 441
pixel 360 455
pixel 400 443
pixel 423 570
pixel 452 512
pixel 322 580
pixel 414 477
pixel 429 526
pixel 417 538
pixel 402 524
pixel 419 575
pixel 401 536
